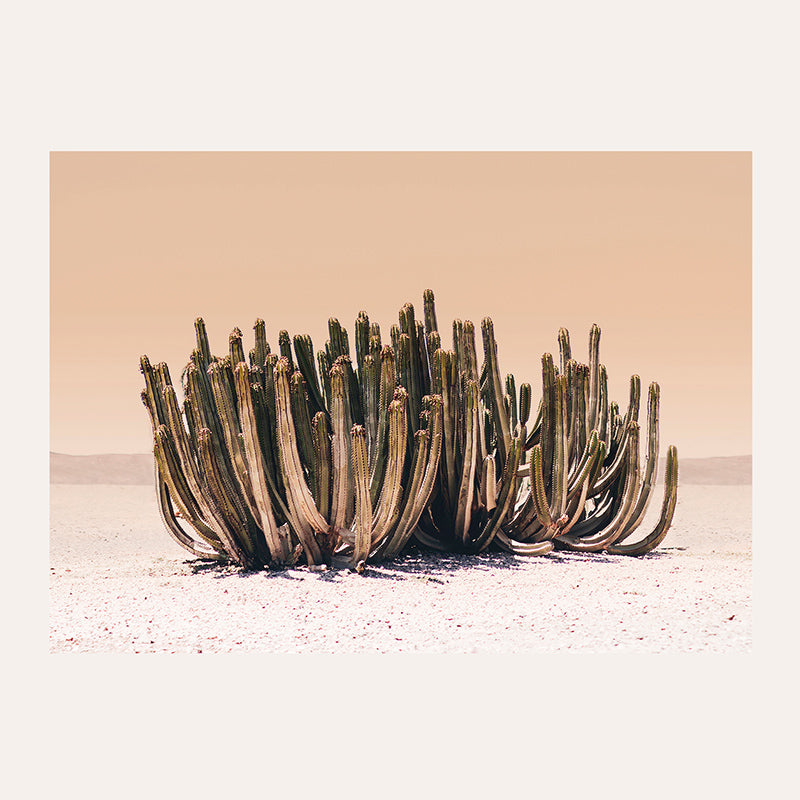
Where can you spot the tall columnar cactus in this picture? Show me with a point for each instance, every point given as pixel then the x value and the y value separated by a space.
pixel 275 455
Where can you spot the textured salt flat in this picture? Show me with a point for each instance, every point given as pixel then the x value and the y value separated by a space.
pixel 118 583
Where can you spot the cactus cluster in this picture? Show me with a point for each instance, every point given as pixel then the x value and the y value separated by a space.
pixel 282 454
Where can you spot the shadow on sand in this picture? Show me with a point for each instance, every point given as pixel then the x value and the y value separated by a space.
pixel 417 565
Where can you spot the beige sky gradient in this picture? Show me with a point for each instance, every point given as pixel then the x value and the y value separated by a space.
pixel 653 247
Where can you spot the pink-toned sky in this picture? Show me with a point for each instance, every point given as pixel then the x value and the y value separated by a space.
pixel 653 247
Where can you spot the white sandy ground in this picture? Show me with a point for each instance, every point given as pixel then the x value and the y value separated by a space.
pixel 118 583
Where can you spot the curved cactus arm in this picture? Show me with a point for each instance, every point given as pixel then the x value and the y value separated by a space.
pixel 229 419
pixel 277 545
pixel 421 498
pixel 429 541
pixel 297 491
pixel 575 509
pixel 522 548
pixel 651 541
pixel 609 476
pixel 170 471
pixel 651 466
pixel 466 489
pixel 609 534
pixel 536 429
pixel 219 495
pixel 363 516
pixel 584 467
pixel 504 500
pixel 178 534
pixel 386 545
pixel 538 492
pixel 499 415
pixel 389 499
pixel 342 485
pixel 188 464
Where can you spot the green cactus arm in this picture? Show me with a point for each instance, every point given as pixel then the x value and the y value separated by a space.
pixel 596 449
pixel 236 347
pixel 369 381
pixel 392 488
pixel 538 492
pixel 564 349
pixel 324 362
pixel 547 438
pixel 448 472
pixel 342 485
pixel 298 493
pixel 339 345
pixel 524 403
pixel 170 471
pixel 388 381
pixel 394 536
pixel 220 496
pixel 652 540
pixel 651 466
pixel 277 545
pixel 584 468
pixel 488 487
pixel 178 534
pixel 602 424
pixel 609 534
pixel 153 390
pixel 466 488
pixel 363 515
pixel 594 375
pixel 304 353
pixel 228 417
pixel 285 347
pixel 202 343
pixel 522 548
pixel 429 307
pixel 511 394
pixel 261 343
pixel 560 454
pixel 322 457
pixel 188 466
pixel 362 342
pixel 499 416
pixel 302 424
pixel 504 500
pixel 409 520
pixel 413 367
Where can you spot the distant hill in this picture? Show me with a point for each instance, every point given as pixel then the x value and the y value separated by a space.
pixel 133 469
pixel 137 469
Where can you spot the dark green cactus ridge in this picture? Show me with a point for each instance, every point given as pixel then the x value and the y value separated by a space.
pixel 352 456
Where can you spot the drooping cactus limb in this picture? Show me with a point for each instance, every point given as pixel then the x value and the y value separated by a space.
pixel 656 536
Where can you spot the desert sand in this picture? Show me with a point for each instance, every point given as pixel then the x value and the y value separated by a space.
pixel 120 584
